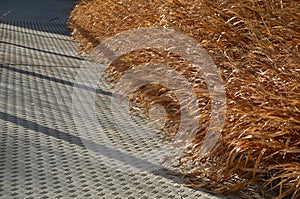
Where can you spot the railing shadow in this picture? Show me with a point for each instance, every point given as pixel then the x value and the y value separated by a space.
pixel 47 16
pixel 54 79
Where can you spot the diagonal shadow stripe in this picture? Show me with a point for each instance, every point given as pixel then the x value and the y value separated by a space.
pixel 54 79
pixel 44 51
pixel 103 150
pixel 33 34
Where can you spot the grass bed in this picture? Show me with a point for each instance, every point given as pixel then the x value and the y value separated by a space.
pixel 255 44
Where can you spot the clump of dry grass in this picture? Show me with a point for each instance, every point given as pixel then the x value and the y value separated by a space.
pixel 255 43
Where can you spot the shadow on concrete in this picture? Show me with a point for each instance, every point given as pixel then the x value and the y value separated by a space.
pixel 102 150
pixel 48 16
pixel 57 80
pixel 44 51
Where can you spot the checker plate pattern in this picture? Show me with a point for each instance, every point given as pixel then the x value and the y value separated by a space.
pixel 41 151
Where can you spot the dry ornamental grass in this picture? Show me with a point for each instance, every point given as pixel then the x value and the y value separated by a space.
pixel 255 44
